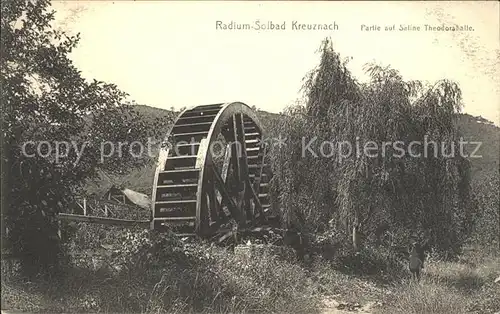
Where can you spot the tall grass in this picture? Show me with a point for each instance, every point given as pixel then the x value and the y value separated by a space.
pixel 464 286
pixel 153 273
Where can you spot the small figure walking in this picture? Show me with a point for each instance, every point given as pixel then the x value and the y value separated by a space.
pixel 416 263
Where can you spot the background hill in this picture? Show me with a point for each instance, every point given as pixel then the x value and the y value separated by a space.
pixel 481 130
pixel 139 179
pixel 473 129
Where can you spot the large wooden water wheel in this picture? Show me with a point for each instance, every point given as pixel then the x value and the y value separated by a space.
pixel 211 173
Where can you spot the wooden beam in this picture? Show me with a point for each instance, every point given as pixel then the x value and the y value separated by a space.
pixel 235 153
pixel 104 221
pixel 227 162
pixel 225 236
pixel 226 198
pixel 59 228
pixel 225 170
pixel 212 202
pixel 216 202
pixel 110 212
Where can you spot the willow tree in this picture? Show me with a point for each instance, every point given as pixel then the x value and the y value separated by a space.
pixel 303 176
pixel 413 192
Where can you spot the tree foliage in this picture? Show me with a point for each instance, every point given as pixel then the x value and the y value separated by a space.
pixel 486 187
pixel 425 193
pixel 45 98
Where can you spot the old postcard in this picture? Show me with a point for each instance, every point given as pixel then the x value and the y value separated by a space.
pixel 250 157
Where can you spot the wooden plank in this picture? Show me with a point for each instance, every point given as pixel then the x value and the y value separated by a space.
pixel 224 217
pixel 195 113
pixel 160 167
pixel 202 151
pixel 105 221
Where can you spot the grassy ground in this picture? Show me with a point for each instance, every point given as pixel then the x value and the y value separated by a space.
pixel 465 286
pixel 203 278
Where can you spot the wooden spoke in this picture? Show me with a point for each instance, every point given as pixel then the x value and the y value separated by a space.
pixel 235 154
pixel 226 197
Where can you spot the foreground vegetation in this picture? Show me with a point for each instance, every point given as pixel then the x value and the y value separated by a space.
pixel 153 273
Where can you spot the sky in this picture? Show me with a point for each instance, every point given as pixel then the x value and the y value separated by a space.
pixel 170 54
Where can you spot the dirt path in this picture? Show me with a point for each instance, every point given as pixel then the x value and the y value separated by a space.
pixel 334 307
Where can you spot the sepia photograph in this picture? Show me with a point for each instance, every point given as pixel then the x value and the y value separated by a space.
pixel 326 157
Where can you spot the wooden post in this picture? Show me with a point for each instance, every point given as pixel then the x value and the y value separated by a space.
pixel 106 210
pixel 202 221
pixel 85 206
pixel 59 227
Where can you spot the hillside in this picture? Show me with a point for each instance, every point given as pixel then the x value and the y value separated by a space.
pixel 473 129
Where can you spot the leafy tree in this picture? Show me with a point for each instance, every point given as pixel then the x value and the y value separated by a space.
pixel 45 98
